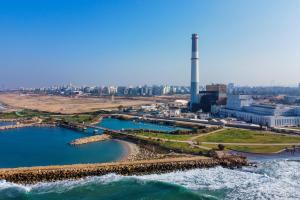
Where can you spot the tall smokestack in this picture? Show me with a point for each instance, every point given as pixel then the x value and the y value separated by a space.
pixel 194 71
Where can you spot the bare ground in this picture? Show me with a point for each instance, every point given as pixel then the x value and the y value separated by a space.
pixel 67 105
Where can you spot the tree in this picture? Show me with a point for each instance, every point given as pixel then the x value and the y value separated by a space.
pixel 221 147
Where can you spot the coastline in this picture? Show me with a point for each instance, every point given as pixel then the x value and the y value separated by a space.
pixel 134 152
pixel 131 150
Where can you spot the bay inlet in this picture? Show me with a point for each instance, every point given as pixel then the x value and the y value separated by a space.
pixel 42 146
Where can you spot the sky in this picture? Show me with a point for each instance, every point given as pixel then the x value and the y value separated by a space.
pixel 137 42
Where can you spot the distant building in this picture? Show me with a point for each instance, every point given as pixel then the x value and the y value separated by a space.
pixel 230 88
pixel 220 88
pixel 215 94
pixel 202 115
pixel 291 99
pixel 243 108
pixel 174 112
pixel 208 99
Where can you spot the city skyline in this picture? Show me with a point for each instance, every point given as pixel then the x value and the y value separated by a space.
pixel 113 43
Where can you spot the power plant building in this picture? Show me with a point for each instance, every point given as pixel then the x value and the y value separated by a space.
pixel 194 101
pixel 243 108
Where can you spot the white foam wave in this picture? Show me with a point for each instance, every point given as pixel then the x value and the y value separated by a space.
pixel 270 180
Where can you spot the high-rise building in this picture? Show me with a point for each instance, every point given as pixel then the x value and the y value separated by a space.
pixel 194 101
pixel 230 88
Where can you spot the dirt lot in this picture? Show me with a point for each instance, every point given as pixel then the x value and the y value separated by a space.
pixel 67 105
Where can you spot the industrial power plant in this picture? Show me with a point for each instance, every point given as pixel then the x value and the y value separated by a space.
pixel 194 101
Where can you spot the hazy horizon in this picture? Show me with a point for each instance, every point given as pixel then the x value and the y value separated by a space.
pixel 135 42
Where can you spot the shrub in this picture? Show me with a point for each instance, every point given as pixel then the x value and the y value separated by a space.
pixel 221 147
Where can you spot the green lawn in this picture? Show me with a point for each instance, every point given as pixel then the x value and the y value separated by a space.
pixel 182 147
pixel 87 118
pixel 24 114
pixel 257 149
pixel 11 115
pixel 250 149
pixel 166 136
pixel 247 136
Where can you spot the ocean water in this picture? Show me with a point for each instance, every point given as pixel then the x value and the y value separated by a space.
pixel 272 180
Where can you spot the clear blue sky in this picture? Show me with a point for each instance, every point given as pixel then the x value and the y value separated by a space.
pixel 86 42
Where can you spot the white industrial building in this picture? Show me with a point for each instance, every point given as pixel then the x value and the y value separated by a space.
pixel 243 108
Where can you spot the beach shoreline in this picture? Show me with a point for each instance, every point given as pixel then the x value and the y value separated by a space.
pixel 131 150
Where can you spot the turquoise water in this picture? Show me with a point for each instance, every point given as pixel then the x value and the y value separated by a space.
pixel 117 124
pixel 37 146
pixel 272 180
pixel 49 146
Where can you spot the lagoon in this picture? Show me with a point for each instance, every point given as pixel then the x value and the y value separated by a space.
pixel 41 146
pixel 117 124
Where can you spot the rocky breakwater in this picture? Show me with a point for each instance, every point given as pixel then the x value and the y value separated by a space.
pixel 15 126
pixel 54 173
pixel 91 139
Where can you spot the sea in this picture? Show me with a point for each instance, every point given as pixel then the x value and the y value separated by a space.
pixel 273 177
pixel 272 180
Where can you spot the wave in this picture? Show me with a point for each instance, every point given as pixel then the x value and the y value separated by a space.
pixel 270 180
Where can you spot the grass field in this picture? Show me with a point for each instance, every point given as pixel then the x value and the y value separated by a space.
pixel 166 136
pixel 247 136
pixel 183 147
pixel 26 113
pixel 251 149
pixel 257 149
pixel 87 118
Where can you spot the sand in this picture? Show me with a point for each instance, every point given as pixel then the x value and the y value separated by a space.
pixel 67 105
pixel 131 150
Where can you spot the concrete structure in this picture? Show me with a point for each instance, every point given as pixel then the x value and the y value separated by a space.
pixel 194 73
pixel 230 88
pixel 220 88
pixel 291 99
pixel 243 108
pixel 174 112
pixel 208 99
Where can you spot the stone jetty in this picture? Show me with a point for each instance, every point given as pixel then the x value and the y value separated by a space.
pixel 91 139
pixel 14 126
pixel 53 173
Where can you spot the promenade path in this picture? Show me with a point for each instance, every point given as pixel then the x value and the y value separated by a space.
pixel 192 143
pixel 252 144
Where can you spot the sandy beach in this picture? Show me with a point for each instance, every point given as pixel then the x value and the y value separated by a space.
pixel 131 150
